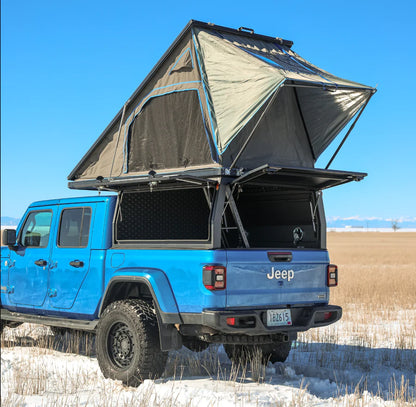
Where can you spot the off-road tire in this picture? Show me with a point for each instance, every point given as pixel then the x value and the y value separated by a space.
pixel 277 352
pixel 273 352
pixel 128 347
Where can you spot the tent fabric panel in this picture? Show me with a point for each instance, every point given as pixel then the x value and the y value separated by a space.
pixel 336 108
pixel 279 139
pixel 168 133
pixel 100 160
pixel 330 77
pixel 239 84
pixel 277 56
pixel 183 63
pixel 208 97
pixel 173 87
pixel 187 109
pixel 291 64
pixel 177 72
pixel 294 66
pixel 169 77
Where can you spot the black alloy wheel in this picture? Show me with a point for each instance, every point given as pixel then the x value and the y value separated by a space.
pixel 128 347
pixel 121 345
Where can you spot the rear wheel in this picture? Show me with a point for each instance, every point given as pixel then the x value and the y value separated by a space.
pixel 273 352
pixel 127 343
pixel 276 352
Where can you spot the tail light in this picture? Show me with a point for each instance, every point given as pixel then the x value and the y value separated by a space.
pixel 332 275
pixel 214 277
pixel 327 315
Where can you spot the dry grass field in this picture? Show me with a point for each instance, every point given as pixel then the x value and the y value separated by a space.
pixel 377 333
pixel 376 269
pixel 377 288
pixel 377 285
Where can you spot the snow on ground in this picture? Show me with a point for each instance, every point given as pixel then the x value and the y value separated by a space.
pixel 316 373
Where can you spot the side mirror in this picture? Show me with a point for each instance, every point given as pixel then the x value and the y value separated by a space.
pixel 9 237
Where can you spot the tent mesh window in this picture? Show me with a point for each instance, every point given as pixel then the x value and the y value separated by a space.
pixel 168 133
pixel 269 217
pixel 163 215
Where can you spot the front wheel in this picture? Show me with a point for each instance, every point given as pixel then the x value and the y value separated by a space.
pixel 128 343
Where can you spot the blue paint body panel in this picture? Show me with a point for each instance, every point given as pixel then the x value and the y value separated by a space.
pixel 251 278
pixel 30 281
pixel 178 271
pixel 58 289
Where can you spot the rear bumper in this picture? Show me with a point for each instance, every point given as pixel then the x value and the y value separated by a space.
pixel 254 322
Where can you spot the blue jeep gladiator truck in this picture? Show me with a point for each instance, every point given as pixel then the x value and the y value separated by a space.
pixel 217 231
pixel 230 262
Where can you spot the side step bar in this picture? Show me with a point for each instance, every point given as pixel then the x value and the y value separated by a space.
pixel 81 325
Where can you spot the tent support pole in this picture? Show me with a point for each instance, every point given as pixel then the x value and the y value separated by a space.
pixel 118 137
pixel 348 133
pixel 236 215
pixel 304 124
pixel 255 127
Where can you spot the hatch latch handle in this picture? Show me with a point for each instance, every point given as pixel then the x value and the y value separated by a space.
pixel 280 257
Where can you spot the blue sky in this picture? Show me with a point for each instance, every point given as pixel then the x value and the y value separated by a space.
pixel 68 66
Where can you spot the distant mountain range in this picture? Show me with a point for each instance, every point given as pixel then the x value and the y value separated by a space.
pixel 370 223
pixel 8 221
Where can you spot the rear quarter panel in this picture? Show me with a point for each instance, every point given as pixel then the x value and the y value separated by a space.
pixel 183 271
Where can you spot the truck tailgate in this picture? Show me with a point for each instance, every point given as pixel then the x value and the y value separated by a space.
pixel 276 277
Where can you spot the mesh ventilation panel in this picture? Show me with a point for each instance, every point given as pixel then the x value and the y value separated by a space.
pixel 164 215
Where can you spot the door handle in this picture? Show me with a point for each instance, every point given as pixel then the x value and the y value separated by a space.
pixel 41 263
pixel 76 263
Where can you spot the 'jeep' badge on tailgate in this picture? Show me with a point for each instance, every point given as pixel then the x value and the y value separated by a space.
pixel 281 274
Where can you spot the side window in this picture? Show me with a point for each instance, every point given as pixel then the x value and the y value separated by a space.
pixel 74 228
pixel 35 232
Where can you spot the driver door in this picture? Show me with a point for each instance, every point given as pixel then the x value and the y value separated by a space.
pixel 28 276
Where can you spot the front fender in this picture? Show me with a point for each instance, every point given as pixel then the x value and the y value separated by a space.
pixel 158 284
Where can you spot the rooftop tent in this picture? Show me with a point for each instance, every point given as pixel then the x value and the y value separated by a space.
pixel 223 98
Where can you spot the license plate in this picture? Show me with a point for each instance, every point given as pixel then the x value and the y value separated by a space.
pixel 279 317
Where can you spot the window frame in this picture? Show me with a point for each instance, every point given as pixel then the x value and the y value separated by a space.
pixel 58 234
pixel 19 240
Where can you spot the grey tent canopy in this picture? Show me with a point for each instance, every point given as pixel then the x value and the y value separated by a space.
pixel 223 99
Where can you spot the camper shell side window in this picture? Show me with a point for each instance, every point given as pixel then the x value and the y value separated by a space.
pixel 180 215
